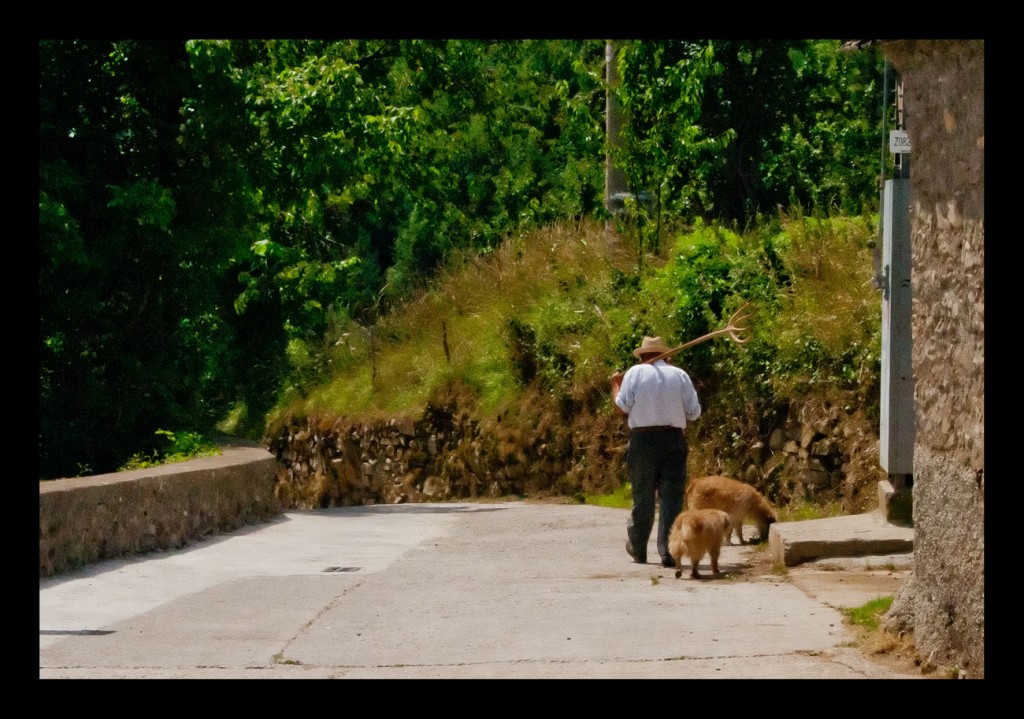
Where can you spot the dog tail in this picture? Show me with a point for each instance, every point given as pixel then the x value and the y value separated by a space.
pixel 686 533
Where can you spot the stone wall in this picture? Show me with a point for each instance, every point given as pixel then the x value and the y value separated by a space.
pixel 815 451
pixel 944 94
pixel 88 519
pixel 443 455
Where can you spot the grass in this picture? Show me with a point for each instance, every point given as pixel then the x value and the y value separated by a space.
pixel 805 510
pixel 869 615
pixel 457 327
pixel 622 498
pixel 873 638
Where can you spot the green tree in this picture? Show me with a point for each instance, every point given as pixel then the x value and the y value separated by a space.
pixel 827 156
pixel 131 245
pixel 732 129
pixel 669 153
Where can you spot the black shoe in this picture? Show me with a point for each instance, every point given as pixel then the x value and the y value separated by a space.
pixel 638 558
pixel 668 562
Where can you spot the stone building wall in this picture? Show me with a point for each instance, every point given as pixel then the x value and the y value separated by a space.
pixel 944 95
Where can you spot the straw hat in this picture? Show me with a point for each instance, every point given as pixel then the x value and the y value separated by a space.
pixel 651 345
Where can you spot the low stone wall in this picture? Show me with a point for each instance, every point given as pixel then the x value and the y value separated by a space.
pixel 819 451
pixel 88 519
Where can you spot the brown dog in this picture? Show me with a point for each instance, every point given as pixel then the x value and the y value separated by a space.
pixel 696 532
pixel 740 500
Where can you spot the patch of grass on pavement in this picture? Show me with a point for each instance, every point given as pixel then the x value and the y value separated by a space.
pixel 620 498
pixel 869 615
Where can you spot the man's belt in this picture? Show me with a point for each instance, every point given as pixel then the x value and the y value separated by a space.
pixel 658 428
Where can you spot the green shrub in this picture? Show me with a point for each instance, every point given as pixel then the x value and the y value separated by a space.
pixel 182 446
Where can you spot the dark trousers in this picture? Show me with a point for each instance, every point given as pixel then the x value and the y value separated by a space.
pixel 655 464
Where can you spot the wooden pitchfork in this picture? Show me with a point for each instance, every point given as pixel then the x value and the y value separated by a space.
pixel 732 329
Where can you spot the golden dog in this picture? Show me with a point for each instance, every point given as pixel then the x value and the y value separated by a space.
pixel 739 500
pixel 696 532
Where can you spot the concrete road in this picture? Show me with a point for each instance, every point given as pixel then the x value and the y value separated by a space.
pixel 472 590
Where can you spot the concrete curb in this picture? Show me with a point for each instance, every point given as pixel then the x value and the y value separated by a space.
pixel 856 535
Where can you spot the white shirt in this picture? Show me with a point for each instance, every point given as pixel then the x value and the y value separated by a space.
pixel 658 394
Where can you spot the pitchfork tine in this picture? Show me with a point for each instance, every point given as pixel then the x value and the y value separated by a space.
pixel 732 327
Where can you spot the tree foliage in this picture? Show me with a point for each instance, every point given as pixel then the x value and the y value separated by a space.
pixel 215 215
pixel 129 308
pixel 731 130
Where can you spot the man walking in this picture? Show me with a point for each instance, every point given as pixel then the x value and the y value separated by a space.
pixel 659 400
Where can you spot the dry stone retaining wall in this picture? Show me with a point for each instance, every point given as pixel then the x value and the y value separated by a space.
pixel 818 452
pixel 444 455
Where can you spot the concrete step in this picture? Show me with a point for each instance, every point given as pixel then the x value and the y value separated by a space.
pixel 855 535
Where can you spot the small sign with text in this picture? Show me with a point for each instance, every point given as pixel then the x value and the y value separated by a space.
pixel 899 142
